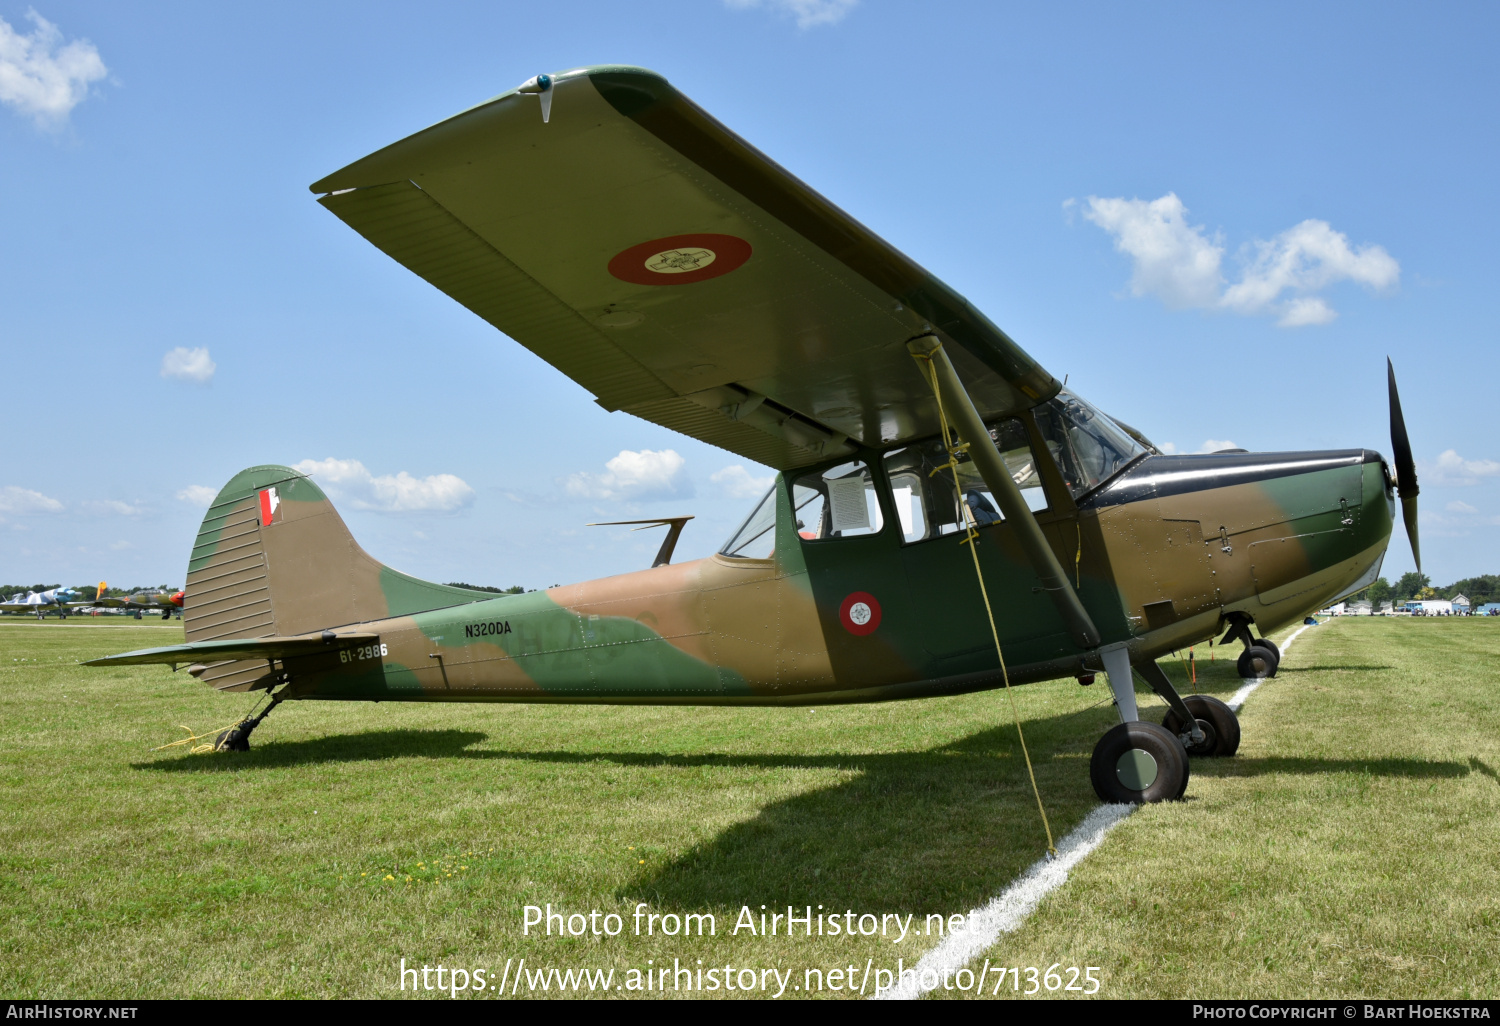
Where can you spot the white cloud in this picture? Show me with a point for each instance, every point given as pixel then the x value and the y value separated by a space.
pixel 201 496
pixel 121 545
pixel 809 13
pixel 1453 469
pixel 112 507
pixel 1174 260
pixel 42 77
pixel 188 365
pixel 645 475
pixel 1304 259
pixel 1183 267
pixel 350 481
pixel 1209 445
pixel 739 483
pixel 1459 506
pixel 1304 311
pixel 22 501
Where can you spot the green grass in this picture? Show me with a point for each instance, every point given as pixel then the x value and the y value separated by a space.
pixel 1350 849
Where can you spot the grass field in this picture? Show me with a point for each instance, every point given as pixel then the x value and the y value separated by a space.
pixel 1352 848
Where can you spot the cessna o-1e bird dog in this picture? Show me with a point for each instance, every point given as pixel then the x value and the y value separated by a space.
pixel 611 226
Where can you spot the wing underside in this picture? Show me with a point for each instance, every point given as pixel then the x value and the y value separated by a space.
pixel 657 259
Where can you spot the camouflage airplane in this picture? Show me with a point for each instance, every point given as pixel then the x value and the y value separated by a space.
pixel 168 602
pixel 615 229
pixel 58 600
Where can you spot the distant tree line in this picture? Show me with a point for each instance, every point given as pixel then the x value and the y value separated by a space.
pixel 1412 585
pixel 514 589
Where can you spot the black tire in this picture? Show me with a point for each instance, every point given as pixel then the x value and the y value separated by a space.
pixel 167 615
pixel 1167 762
pixel 1225 723
pixel 1268 643
pixel 235 739
pixel 1257 662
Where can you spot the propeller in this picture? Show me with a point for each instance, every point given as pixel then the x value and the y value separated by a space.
pixel 1405 466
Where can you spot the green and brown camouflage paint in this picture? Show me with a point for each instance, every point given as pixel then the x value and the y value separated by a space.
pixel 1163 553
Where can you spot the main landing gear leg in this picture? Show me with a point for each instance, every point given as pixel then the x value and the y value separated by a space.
pixel 237 738
pixel 1136 761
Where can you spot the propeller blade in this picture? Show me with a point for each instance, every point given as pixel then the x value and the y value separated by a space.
pixel 1404 465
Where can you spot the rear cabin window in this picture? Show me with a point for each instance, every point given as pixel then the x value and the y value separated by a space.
pixel 756 538
pixel 837 503
pixel 926 500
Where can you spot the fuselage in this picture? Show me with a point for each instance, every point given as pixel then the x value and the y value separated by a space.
pixel 1161 554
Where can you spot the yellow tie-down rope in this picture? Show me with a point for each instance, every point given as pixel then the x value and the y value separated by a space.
pixel 971 535
pixel 212 746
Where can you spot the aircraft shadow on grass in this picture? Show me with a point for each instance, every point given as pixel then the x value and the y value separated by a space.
pixel 370 746
pixel 934 831
pixel 1479 766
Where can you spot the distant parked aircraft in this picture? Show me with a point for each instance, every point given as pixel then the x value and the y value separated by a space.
pixel 42 602
pixel 167 602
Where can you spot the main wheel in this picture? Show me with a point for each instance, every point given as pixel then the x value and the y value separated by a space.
pixel 1268 643
pixel 1257 662
pixel 167 615
pixel 1225 723
pixel 1139 762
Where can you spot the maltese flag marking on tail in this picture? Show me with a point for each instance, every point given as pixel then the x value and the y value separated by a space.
pixel 269 501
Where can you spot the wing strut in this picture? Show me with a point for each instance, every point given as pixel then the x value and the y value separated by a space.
pixel 991 467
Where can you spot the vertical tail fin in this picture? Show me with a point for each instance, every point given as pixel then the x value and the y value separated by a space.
pixel 103 587
pixel 273 557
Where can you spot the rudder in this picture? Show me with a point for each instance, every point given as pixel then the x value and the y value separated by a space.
pixel 273 557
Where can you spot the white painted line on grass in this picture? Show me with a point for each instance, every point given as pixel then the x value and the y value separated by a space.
pixel 1243 693
pixel 983 926
pixel 1005 913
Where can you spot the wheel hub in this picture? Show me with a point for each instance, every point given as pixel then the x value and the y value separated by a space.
pixel 1137 769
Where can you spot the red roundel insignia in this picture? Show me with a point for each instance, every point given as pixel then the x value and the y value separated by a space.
pixel 680 259
pixel 860 613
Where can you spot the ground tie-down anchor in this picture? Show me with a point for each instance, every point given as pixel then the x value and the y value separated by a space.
pixel 237 737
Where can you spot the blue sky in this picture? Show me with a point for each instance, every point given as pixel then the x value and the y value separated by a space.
pixel 1216 220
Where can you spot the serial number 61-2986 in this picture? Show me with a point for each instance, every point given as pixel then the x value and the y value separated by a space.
pixel 350 655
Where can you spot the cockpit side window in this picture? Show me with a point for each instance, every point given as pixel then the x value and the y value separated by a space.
pixel 1087 446
pixel 923 491
pixel 837 503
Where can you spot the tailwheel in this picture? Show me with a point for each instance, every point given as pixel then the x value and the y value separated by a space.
pixel 1139 762
pixel 1222 740
pixel 236 738
pixel 1256 661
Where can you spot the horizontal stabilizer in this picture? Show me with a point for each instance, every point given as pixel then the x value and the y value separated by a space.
pixel 236 648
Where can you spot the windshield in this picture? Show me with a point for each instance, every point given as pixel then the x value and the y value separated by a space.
pixel 1086 445
pixel 756 538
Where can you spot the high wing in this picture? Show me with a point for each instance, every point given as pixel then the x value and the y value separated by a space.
pixel 663 263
